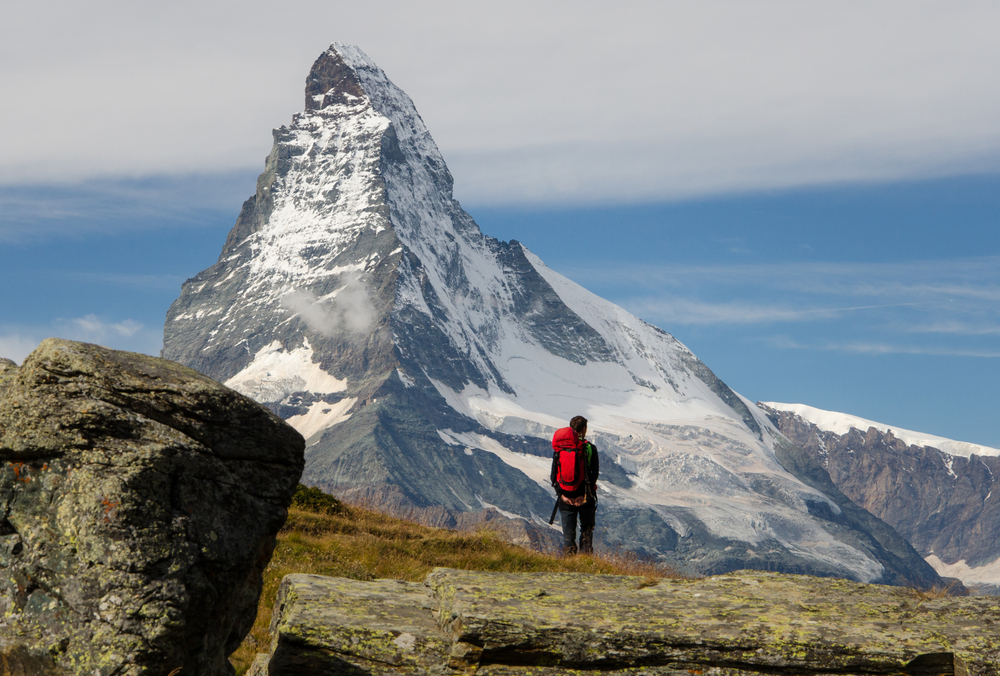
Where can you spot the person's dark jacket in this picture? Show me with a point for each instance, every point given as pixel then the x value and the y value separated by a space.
pixel 592 466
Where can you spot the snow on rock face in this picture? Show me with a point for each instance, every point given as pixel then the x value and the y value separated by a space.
pixel 842 423
pixel 275 373
pixel 317 224
pixel 937 493
pixel 428 362
pixel 320 416
pixel 986 576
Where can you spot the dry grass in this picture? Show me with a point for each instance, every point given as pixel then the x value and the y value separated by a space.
pixel 938 592
pixel 364 544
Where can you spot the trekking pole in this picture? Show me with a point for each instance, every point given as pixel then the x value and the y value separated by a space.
pixel 555 509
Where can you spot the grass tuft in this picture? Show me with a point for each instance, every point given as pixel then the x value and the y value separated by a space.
pixel 342 540
pixel 939 592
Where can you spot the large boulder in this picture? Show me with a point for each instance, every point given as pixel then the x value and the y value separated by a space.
pixel 139 504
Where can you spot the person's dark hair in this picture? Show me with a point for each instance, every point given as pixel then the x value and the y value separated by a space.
pixel 578 424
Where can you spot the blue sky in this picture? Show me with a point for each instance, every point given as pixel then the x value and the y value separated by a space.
pixel 806 196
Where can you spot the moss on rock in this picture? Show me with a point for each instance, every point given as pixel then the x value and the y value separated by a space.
pixel 562 623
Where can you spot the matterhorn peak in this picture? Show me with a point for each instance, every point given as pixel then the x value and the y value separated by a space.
pixel 428 365
pixel 333 79
pixel 344 81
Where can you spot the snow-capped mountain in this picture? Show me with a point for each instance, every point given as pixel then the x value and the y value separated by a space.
pixel 938 493
pixel 428 364
pixel 842 423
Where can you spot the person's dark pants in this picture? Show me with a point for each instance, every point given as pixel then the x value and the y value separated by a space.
pixel 587 514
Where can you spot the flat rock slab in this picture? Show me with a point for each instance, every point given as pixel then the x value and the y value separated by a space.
pixel 335 625
pixel 559 623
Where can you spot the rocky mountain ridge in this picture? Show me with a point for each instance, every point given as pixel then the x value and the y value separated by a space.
pixel 942 503
pixel 428 364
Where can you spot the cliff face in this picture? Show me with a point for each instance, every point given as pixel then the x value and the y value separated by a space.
pixel 139 504
pixel 943 504
pixel 740 624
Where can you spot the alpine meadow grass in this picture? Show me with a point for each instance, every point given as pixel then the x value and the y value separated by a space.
pixel 326 537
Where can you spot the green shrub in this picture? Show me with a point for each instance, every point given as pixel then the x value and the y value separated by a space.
pixel 314 500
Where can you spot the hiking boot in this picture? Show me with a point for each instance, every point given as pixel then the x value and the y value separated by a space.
pixel 587 541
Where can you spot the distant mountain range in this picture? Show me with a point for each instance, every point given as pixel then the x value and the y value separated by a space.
pixel 938 493
pixel 428 364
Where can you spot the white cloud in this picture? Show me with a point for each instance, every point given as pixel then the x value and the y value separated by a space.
pixel 16 346
pixel 92 328
pixel 881 348
pixel 349 308
pixel 965 281
pixel 33 212
pixel 546 102
pixel 16 342
pixel 172 282
pixel 933 307
pixel 678 311
pixel 315 314
pixel 957 328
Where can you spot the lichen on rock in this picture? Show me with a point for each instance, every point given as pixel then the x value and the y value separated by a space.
pixel 139 503
pixel 739 624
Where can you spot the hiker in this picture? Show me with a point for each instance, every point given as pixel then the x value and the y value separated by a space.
pixel 575 467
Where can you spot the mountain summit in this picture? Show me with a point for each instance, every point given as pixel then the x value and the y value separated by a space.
pixel 428 364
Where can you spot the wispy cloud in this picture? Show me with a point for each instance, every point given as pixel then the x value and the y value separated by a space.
pixel 31 213
pixel 147 281
pixel 349 307
pixel 934 307
pixel 977 277
pixel 16 342
pixel 92 328
pixel 880 348
pixel 802 291
pixel 16 346
pixel 692 312
pixel 957 328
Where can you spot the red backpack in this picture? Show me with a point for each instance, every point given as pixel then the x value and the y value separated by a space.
pixel 569 452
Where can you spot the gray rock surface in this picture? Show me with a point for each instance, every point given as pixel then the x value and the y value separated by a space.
pixel 560 623
pixel 139 503
pixel 8 369
pixel 941 503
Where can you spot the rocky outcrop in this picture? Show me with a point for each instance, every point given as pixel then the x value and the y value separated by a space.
pixel 139 503
pixel 460 622
pixel 943 504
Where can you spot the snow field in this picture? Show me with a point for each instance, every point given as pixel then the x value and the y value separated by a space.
pixel 842 423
